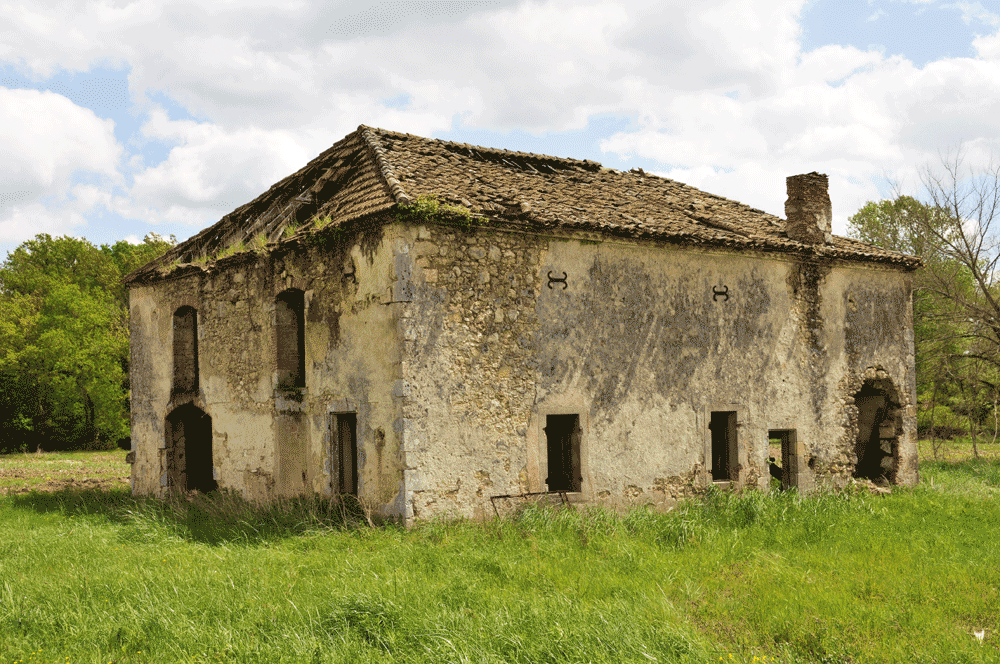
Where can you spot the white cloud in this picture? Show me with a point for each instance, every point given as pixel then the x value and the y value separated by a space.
pixel 974 12
pixel 46 142
pixel 23 222
pixel 543 66
pixel 719 90
pixel 988 46
pixel 211 171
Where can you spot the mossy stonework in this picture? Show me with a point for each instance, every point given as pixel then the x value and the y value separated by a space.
pixel 522 335
pixel 640 343
pixel 270 440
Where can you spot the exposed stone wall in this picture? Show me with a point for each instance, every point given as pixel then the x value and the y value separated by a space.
pixel 808 209
pixel 644 342
pixel 470 363
pixel 454 347
pixel 271 439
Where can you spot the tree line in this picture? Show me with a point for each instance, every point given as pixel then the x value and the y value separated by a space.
pixel 64 353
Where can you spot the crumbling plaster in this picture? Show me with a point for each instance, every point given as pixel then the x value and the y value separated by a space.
pixel 269 442
pixel 643 343
pixel 452 346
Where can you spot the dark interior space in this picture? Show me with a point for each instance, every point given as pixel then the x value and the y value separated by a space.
pixel 723 428
pixel 562 435
pixel 344 454
pixel 189 450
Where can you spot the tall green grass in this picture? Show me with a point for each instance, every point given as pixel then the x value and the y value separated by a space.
pixel 103 577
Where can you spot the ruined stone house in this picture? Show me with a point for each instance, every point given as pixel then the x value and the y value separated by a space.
pixel 427 325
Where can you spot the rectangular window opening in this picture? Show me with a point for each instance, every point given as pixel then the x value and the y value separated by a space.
pixel 185 328
pixel 782 461
pixel 290 339
pixel 723 428
pixel 344 453
pixel 562 436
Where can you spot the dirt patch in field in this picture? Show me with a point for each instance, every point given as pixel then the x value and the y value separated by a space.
pixel 56 471
pixel 51 486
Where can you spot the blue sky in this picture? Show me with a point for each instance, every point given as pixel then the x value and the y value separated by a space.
pixel 122 118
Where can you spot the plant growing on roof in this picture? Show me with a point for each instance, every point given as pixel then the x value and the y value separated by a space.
pixel 330 235
pixel 429 209
pixel 232 249
pixel 258 244
pixel 322 222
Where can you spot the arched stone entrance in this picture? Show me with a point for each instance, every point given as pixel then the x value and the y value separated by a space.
pixel 188 450
pixel 878 427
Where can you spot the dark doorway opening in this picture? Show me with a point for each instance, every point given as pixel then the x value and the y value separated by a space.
pixel 562 436
pixel 783 458
pixel 189 450
pixel 344 453
pixel 877 444
pixel 723 428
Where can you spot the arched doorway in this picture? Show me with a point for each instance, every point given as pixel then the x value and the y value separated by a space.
pixel 189 450
pixel 876 444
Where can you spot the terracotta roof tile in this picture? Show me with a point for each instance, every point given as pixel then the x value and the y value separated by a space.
pixel 372 170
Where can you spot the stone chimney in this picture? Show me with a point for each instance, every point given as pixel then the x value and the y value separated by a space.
pixel 808 209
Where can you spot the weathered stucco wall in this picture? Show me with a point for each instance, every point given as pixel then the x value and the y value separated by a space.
pixel 454 347
pixel 643 342
pixel 269 441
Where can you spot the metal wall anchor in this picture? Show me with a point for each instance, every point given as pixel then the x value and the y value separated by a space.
pixel 553 280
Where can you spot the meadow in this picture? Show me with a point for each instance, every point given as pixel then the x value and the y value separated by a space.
pixel 92 575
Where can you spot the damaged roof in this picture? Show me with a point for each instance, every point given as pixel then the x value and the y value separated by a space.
pixel 372 171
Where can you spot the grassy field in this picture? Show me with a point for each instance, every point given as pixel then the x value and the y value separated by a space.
pixel 92 575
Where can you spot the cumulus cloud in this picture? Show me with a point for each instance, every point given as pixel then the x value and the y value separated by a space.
pixel 210 170
pixel 718 91
pixel 46 142
pixel 988 46
pixel 544 66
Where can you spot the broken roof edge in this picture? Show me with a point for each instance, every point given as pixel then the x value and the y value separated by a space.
pixel 305 237
pixel 227 231
pixel 200 242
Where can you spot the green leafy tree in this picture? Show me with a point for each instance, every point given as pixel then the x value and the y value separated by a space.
pixel 64 341
pixel 957 295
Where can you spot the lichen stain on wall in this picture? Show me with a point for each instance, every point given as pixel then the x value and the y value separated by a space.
pixel 269 442
pixel 452 346
pixel 635 324
pixel 805 280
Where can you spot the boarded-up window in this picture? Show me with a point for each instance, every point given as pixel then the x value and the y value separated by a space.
pixel 185 350
pixel 562 436
pixel 344 453
pixel 290 338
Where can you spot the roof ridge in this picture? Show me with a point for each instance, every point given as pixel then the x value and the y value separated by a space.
pixel 500 152
pixel 370 139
